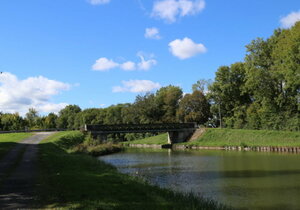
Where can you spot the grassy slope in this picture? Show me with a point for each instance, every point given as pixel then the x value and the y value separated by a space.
pixel 238 137
pixel 234 137
pixel 159 139
pixel 9 140
pixel 80 181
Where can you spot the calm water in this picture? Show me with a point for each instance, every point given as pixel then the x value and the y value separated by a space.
pixel 245 180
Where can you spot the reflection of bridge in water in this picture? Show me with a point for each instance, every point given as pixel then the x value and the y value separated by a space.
pixel 177 132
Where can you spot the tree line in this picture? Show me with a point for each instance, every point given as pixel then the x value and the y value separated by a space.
pixel 262 92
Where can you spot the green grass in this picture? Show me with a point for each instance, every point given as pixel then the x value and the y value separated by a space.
pixel 71 180
pixel 9 140
pixel 98 150
pixel 238 137
pixel 159 139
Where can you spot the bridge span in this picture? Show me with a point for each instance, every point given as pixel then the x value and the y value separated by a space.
pixel 177 132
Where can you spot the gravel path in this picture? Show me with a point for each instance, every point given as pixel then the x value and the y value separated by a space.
pixel 17 190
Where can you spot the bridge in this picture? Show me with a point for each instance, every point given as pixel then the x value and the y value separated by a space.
pixel 177 132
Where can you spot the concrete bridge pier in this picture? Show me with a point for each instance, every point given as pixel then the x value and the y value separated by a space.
pixel 179 136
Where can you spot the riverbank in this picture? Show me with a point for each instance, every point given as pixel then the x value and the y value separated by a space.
pixel 72 180
pixel 233 139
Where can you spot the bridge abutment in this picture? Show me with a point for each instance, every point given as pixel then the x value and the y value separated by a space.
pixel 179 136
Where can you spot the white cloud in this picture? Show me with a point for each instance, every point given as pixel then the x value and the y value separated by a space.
pixel 290 20
pixel 185 48
pixel 51 107
pixel 136 86
pixel 146 64
pixel 104 64
pixel 128 66
pixel 20 95
pixel 98 2
pixel 152 33
pixel 170 10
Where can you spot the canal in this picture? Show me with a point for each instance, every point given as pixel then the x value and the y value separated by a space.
pixel 244 180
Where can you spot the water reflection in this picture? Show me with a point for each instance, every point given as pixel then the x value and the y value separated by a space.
pixel 246 180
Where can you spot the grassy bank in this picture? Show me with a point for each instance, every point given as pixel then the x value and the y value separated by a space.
pixel 9 140
pixel 238 137
pixel 215 137
pixel 95 147
pixel 72 180
pixel 159 139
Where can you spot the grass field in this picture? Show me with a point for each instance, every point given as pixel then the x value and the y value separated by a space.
pixel 238 137
pixel 68 180
pixel 9 140
pixel 159 139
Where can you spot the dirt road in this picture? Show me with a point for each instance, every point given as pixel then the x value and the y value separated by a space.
pixel 18 171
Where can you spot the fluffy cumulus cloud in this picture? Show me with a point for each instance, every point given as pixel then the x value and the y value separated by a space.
pixel 137 86
pixel 128 66
pixel 186 48
pixel 290 20
pixel 152 33
pixel 105 64
pixel 98 2
pixel 34 92
pixel 170 10
pixel 145 64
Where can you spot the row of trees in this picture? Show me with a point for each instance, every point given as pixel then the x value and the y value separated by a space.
pixel 263 92
pixel 168 104
pixel 31 121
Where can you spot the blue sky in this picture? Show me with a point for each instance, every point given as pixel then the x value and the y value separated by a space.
pixel 95 53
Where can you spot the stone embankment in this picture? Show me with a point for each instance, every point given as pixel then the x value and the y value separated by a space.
pixel 154 146
pixel 239 148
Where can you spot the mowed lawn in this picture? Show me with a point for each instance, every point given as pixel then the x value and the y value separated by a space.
pixel 9 140
pixel 239 137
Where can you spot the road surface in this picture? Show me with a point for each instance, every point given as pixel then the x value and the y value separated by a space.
pixel 18 172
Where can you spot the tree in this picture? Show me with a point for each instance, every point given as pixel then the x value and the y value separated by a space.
pixel 167 99
pixel 228 92
pixel 32 118
pixel 50 121
pixel 147 108
pixel 202 85
pixel 66 118
pixel 194 108
pixel 12 122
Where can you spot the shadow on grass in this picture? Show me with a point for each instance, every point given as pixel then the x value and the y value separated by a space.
pixel 5 147
pixel 9 155
pixel 17 175
pixel 80 181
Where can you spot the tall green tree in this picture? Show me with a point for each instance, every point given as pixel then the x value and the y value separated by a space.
pixel 228 93
pixel 32 119
pixel 168 99
pixel 194 108
pixel 50 121
pixel 147 108
pixel 67 116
